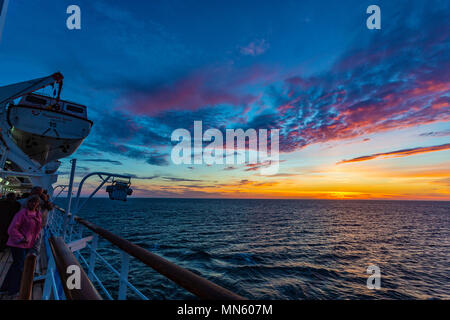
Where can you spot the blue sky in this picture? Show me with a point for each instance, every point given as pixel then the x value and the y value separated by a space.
pixel 311 68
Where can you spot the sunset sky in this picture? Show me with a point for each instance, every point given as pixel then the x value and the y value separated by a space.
pixel 363 114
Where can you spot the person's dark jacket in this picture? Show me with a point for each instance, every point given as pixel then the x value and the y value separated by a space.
pixel 8 210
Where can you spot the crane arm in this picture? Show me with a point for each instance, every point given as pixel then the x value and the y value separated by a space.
pixel 14 91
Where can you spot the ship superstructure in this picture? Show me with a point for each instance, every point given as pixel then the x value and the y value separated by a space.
pixel 36 131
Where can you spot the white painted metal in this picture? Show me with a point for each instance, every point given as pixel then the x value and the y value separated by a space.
pixel 14 91
pixel 50 103
pixel 104 180
pixel 125 259
pixel 32 169
pixel 48 284
pixel 60 191
pixel 48 124
pixel 79 244
pixel 69 192
pixel 122 275
pixel 92 256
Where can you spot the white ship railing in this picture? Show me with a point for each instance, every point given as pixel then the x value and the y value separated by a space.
pixel 193 283
pixel 90 262
pixel 64 233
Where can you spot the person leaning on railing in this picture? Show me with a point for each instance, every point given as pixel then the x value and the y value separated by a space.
pixel 23 233
pixel 8 208
pixel 44 207
pixel 35 191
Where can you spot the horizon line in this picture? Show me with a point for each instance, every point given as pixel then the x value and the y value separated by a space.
pixel 308 199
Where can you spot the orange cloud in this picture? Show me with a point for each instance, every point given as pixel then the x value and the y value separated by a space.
pixel 399 153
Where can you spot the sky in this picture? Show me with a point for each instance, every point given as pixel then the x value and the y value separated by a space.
pixel 362 114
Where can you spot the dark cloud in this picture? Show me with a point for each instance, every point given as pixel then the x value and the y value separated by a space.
pixel 117 127
pixel 115 162
pixel 134 176
pixel 283 175
pixel 156 159
pixel 194 186
pixel 399 153
pixel 444 181
pixel 209 86
pixel 258 166
pixel 436 134
pixel 174 179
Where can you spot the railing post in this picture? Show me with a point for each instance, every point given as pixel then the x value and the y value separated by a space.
pixel 26 283
pixel 67 221
pixel 48 279
pixel 69 193
pixel 125 258
pixel 92 256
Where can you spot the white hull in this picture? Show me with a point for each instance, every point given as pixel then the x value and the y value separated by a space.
pixel 46 135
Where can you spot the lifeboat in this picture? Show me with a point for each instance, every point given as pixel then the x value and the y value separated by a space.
pixel 46 128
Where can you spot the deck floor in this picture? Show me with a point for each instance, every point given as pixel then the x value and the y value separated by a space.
pixel 41 264
pixel 5 263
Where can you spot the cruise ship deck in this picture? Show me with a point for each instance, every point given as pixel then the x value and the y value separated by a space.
pixel 35 287
pixel 45 277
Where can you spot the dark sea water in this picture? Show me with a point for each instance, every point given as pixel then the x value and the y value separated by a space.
pixel 285 249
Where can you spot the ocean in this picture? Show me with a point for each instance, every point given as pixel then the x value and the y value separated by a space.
pixel 284 249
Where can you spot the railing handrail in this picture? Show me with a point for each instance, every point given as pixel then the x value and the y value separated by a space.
pixel 59 209
pixel 63 259
pixel 193 283
pixel 26 282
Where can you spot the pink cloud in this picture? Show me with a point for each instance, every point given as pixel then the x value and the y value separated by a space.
pixel 207 87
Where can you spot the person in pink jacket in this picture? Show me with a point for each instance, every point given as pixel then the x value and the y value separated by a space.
pixel 23 232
